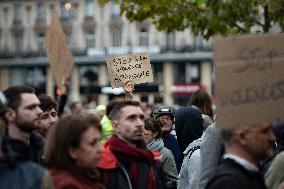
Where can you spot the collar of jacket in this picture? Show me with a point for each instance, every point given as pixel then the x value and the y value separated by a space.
pixel 107 159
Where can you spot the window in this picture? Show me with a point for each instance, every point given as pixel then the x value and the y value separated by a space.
pixel 18 14
pixel 144 98
pixel 197 42
pixel 34 77
pixel 116 37
pixel 51 7
pixel 158 73
pixel 90 41
pixel 143 37
pixel 28 8
pixel 192 72
pixel 179 72
pixel 40 12
pixel 170 41
pixel 18 44
pixel 89 8
pixel 6 10
pixel 41 44
pixel 88 75
pixel 116 11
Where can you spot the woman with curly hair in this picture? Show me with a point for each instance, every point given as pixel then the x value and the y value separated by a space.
pixel 152 135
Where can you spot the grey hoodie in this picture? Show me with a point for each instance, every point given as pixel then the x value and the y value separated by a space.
pixel 190 169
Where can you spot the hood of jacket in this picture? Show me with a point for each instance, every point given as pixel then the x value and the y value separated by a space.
pixel 189 126
pixel 107 159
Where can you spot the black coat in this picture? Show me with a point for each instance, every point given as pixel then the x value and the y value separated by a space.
pixel 231 175
pixel 19 150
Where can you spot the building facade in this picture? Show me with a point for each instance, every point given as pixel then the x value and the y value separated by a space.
pixel 181 62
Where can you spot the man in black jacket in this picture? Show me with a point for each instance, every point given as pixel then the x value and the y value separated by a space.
pixel 22 115
pixel 246 147
pixel 125 161
pixel 18 172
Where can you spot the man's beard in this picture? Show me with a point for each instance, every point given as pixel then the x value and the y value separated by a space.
pixel 25 126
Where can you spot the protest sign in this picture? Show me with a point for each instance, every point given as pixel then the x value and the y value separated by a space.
pixel 133 67
pixel 58 52
pixel 249 79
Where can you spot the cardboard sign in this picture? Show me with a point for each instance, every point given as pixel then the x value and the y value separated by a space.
pixel 249 79
pixel 58 52
pixel 133 67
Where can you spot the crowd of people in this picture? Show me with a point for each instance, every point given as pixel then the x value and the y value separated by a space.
pixel 123 145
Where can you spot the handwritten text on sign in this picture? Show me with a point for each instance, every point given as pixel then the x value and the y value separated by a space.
pixel 135 67
pixel 249 79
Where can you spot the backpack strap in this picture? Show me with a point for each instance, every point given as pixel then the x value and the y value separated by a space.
pixel 192 150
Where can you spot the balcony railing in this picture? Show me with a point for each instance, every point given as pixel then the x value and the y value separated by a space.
pixel 37 53
pixel 40 25
pixel 17 27
pixel 89 24
pixel 109 51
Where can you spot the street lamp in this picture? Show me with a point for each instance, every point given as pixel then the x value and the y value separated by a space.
pixel 68 6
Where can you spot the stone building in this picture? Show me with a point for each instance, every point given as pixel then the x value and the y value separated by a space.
pixel 181 62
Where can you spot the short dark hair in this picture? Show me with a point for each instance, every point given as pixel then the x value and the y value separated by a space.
pixel 47 102
pixel 228 134
pixel 155 126
pixel 65 134
pixel 13 95
pixel 121 104
pixel 110 106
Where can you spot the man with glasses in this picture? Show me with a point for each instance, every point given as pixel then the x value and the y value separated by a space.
pixel 166 116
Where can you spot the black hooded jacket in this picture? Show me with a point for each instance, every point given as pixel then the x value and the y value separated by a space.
pixel 189 126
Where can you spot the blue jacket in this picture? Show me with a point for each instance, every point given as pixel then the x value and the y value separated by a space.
pixel 170 142
pixel 22 175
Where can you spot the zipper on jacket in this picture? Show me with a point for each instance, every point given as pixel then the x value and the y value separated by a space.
pixel 127 177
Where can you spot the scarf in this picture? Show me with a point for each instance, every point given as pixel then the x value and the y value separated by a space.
pixel 157 144
pixel 137 161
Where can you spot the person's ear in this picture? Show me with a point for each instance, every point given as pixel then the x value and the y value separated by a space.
pixel 241 136
pixel 73 152
pixel 115 124
pixel 116 127
pixel 10 115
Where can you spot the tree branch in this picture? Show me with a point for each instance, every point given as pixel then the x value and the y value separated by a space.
pixel 266 19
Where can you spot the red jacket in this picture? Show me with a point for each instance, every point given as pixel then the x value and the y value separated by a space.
pixel 109 161
pixel 113 174
pixel 63 179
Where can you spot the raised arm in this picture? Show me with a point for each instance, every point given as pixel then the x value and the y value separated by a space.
pixel 62 98
pixel 129 88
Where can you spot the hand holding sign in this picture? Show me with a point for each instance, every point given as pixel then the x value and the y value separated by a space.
pixel 135 67
pixel 129 88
